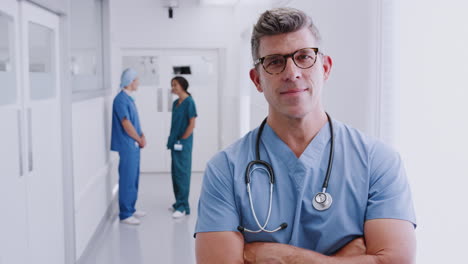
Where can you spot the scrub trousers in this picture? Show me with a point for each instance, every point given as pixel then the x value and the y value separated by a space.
pixel 181 168
pixel 129 176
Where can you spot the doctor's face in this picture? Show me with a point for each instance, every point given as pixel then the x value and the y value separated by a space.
pixel 294 92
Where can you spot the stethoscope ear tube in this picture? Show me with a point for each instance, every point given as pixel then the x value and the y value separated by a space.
pixel 332 152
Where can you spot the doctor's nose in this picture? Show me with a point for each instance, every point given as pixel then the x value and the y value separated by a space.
pixel 291 72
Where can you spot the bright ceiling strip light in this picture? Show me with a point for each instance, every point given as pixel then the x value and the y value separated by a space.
pixel 219 2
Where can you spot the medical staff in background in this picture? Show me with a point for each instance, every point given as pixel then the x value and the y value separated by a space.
pixel 303 187
pixel 127 138
pixel 180 142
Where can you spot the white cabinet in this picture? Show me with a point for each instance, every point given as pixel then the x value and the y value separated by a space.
pixel 31 222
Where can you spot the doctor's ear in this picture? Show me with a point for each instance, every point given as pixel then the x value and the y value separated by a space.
pixel 255 77
pixel 327 65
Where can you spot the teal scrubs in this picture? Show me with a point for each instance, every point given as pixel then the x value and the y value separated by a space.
pixel 181 165
pixel 368 181
pixel 129 152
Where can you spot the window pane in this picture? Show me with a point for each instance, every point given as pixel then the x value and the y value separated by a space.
pixel 41 62
pixel 7 61
pixel 86 61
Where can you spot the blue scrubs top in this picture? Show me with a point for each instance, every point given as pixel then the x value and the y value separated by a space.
pixel 124 107
pixel 181 114
pixel 367 181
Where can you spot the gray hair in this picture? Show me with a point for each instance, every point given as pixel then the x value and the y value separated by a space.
pixel 278 21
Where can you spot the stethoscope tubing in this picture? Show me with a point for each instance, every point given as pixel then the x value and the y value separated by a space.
pixel 269 170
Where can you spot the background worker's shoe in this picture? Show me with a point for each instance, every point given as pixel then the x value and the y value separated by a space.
pixel 178 214
pixel 139 214
pixel 130 221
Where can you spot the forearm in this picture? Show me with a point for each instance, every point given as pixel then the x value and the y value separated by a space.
pixel 385 241
pixel 283 253
pixel 131 131
pixel 311 257
pixel 187 132
pixel 189 129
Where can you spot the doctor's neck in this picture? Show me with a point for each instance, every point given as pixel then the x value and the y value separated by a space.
pixel 297 133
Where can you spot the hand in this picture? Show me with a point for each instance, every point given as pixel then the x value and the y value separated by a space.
pixel 357 247
pixel 142 142
pixel 262 252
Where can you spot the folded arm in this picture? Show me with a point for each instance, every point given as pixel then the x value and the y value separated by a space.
pixel 387 241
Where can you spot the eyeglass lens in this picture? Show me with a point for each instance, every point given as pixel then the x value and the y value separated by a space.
pixel 304 58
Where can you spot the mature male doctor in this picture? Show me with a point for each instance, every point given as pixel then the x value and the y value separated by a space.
pixel 127 139
pixel 304 187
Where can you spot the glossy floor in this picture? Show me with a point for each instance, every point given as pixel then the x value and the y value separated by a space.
pixel 159 238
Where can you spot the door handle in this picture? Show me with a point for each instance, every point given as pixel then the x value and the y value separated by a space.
pixel 20 143
pixel 30 148
pixel 159 100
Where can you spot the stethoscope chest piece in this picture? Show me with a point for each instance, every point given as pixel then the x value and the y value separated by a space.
pixel 322 201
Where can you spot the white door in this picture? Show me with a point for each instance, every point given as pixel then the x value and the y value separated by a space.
pixel 13 224
pixel 40 60
pixel 154 102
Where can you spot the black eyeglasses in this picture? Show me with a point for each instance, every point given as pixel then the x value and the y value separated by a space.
pixel 276 63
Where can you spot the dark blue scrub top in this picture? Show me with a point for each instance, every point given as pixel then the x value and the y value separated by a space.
pixel 181 114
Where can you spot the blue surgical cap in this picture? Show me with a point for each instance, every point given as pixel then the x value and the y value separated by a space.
pixel 128 76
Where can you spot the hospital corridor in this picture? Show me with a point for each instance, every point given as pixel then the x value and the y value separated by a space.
pixel 110 111
pixel 119 243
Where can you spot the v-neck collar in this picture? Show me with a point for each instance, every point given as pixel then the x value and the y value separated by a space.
pixel 297 167
pixel 179 104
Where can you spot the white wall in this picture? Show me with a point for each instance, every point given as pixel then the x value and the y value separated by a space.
pixel 351 36
pixel 433 127
pixel 94 175
pixel 350 33
pixel 252 105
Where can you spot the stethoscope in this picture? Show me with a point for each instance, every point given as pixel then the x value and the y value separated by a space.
pixel 322 200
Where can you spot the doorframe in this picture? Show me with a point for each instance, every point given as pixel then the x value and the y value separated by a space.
pixel 66 105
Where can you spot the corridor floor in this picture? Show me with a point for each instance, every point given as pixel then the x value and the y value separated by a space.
pixel 159 238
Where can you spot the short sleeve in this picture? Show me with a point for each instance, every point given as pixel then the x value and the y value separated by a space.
pixel 217 209
pixel 389 190
pixel 121 109
pixel 192 110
